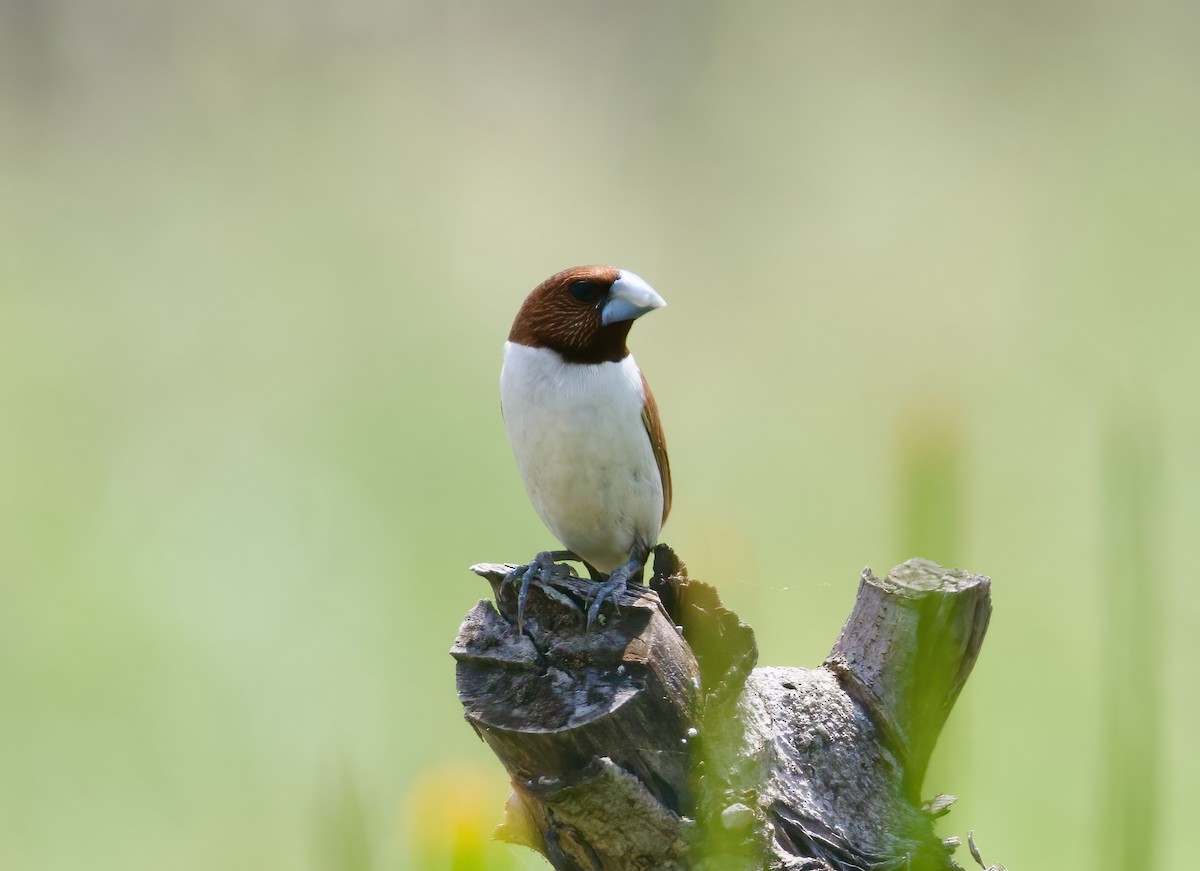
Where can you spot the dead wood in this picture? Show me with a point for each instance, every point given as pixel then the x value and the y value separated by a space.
pixel 653 742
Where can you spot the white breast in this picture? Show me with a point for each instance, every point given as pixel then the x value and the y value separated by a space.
pixel 583 451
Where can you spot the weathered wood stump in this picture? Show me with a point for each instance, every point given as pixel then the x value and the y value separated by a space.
pixel 652 741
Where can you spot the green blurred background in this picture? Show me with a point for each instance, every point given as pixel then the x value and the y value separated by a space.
pixel 933 274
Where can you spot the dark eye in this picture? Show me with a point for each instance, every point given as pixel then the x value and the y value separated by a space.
pixel 586 291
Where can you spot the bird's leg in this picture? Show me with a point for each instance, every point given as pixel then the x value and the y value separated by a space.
pixel 617 581
pixel 544 567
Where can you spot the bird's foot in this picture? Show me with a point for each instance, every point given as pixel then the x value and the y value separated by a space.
pixel 544 567
pixel 612 588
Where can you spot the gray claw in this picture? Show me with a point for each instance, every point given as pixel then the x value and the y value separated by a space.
pixel 544 568
pixel 611 589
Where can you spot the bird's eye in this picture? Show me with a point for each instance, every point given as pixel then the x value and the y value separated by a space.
pixel 586 291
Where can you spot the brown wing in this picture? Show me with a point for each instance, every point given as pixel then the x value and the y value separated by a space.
pixel 658 443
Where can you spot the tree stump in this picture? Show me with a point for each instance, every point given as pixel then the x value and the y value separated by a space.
pixel 653 742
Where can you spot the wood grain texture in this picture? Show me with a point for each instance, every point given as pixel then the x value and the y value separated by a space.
pixel 655 742
pixel 592 726
pixel 906 651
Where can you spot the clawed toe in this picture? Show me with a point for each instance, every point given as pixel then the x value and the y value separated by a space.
pixel 544 567
pixel 610 589
pixel 614 585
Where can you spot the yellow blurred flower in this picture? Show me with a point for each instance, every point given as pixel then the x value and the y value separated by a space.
pixel 449 815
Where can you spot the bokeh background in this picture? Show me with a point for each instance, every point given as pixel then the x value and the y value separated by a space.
pixel 934 282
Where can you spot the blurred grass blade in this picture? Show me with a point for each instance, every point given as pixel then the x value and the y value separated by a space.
pixel 1132 715
pixel 929 448
pixel 342 828
pixel 929 460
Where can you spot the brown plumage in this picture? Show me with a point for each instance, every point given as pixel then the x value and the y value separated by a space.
pixel 552 316
pixel 658 442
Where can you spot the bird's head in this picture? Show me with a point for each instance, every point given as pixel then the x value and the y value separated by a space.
pixel 584 313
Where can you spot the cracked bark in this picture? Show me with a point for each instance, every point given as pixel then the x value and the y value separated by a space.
pixel 653 742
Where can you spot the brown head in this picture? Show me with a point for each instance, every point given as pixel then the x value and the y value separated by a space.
pixel 584 313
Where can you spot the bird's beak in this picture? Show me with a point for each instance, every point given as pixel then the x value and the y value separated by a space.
pixel 630 297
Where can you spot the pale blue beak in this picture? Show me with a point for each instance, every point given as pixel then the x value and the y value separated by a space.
pixel 630 297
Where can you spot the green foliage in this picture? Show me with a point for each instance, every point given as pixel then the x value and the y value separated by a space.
pixel 1133 729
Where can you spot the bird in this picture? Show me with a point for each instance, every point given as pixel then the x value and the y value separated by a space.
pixel 585 429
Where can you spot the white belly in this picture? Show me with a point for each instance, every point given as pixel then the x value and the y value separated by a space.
pixel 583 451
